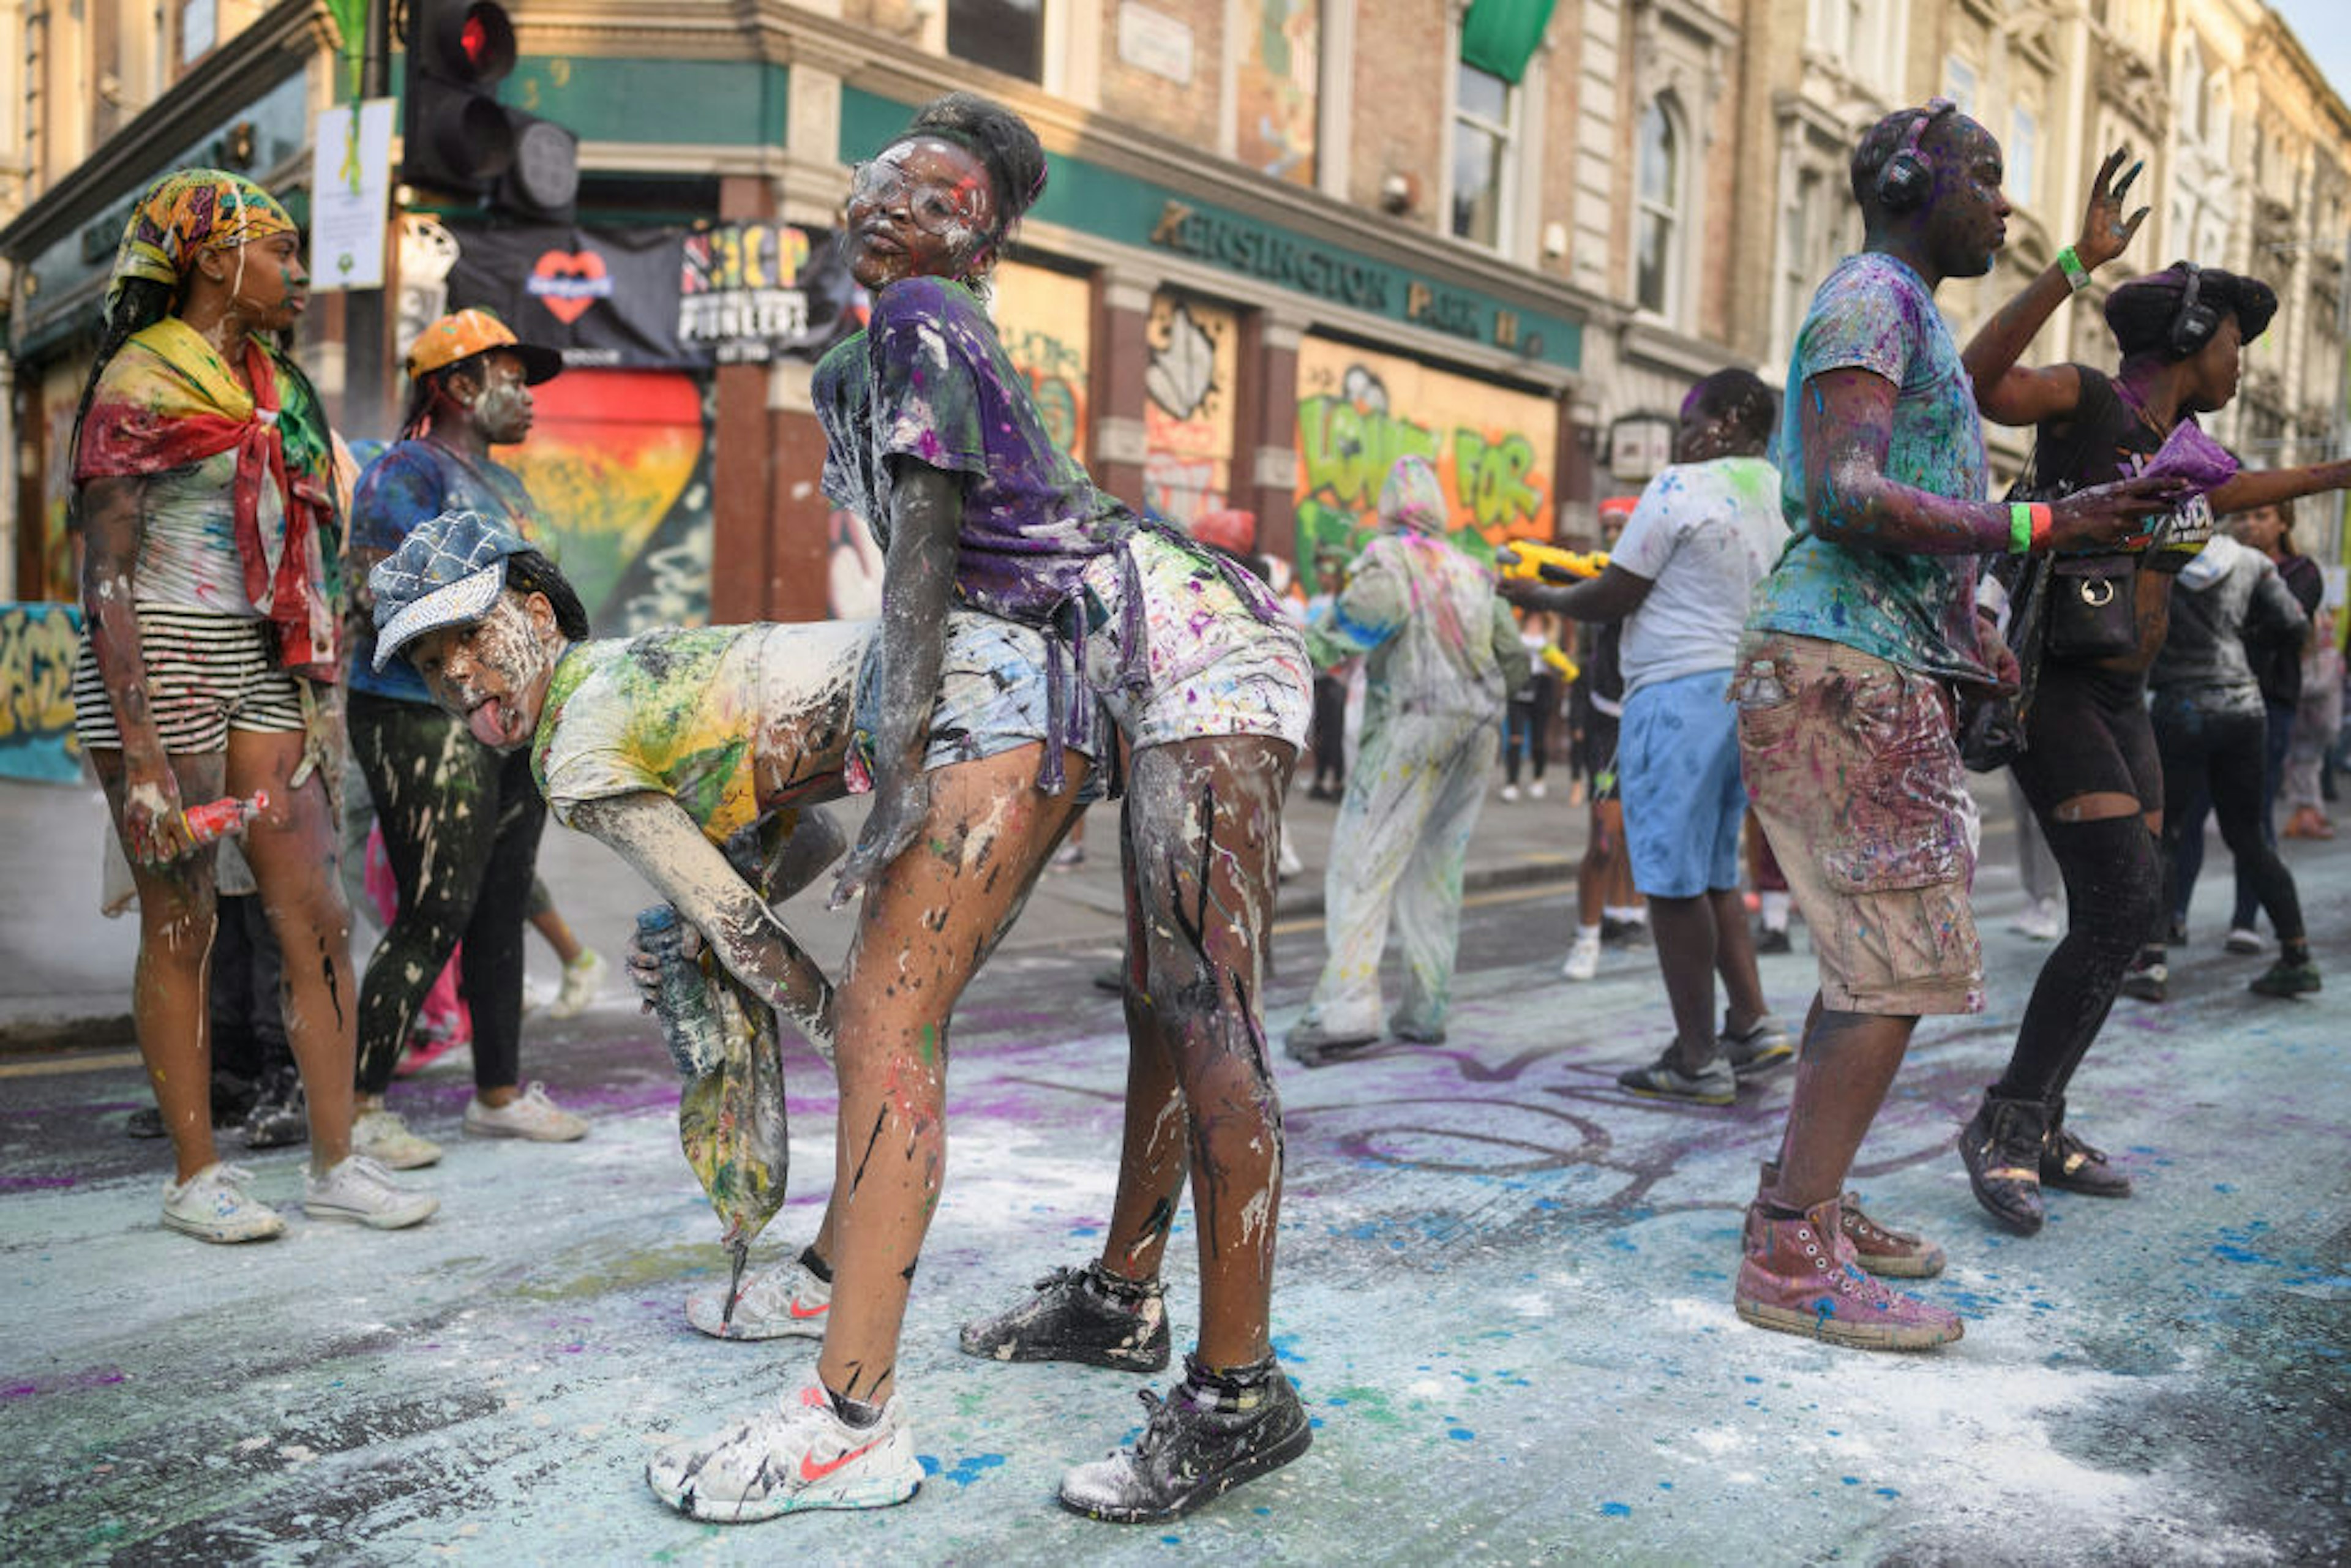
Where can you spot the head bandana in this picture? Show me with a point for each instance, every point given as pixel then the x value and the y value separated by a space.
pixel 185 212
pixel 1412 499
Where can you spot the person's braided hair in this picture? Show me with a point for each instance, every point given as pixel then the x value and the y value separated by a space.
pixel 1000 139
pixel 141 303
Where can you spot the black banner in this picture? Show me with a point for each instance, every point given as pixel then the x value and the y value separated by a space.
pixel 660 297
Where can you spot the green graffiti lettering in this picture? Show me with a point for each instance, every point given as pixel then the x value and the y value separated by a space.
pixel 1490 478
pixel 1347 452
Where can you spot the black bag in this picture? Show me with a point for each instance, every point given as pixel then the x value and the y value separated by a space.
pixel 2093 607
pixel 1992 723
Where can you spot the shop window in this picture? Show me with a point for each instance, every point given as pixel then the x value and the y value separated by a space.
pixel 1485 107
pixel 1006 35
pixel 1658 172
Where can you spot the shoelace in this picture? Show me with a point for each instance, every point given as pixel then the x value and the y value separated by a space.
pixel 235 1176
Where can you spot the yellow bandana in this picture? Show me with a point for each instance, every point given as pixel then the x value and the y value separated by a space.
pixel 185 212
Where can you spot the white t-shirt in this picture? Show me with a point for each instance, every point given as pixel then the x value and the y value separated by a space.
pixel 1704 535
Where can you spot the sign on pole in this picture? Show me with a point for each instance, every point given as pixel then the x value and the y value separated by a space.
pixel 351 184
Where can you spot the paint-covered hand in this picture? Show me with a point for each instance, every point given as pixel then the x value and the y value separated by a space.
pixel 2106 233
pixel 645 967
pixel 902 802
pixel 154 828
pixel 2107 516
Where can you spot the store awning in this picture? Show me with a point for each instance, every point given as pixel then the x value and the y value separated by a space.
pixel 1499 37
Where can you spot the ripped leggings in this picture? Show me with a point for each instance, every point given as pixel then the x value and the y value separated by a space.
pixel 461 826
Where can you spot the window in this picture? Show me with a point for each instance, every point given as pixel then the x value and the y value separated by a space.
pixel 1960 81
pixel 1658 176
pixel 2022 154
pixel 1006 35
pixel 1802 238
pixel 1484 107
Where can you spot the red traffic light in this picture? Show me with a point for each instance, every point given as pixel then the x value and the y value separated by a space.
pixel 473 45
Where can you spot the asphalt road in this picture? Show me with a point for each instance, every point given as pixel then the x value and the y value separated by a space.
pixel 1505 1294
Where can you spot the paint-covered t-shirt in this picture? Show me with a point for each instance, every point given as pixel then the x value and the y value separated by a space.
pixel 1873 313
pixel 411 482
pixel 928 379
pixel 1436 638
pixel 1704 535
pixel 187 545
pixel 687 713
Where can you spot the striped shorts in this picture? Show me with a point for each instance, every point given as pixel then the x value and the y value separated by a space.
pixel 207 673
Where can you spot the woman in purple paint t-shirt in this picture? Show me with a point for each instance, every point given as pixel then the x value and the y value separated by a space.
pixel 933 437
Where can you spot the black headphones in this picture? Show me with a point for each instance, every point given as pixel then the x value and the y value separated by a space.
pixel 1905 180
pixel 2193 324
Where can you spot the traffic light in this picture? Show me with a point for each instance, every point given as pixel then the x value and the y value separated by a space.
pixel 455 135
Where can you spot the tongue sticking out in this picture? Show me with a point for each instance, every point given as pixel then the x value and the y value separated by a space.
pixel 485 722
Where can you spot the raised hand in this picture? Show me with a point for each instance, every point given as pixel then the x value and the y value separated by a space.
pixel 2109 515
pixel 2106 233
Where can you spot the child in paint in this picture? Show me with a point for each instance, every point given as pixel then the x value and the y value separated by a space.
pixel 1844 684
pixel 461 823
pixel 932 437
pixel 204 475
pixel 1441 655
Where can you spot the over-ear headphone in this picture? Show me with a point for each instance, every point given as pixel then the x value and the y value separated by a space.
pixel 2193 324
pixel 1906 178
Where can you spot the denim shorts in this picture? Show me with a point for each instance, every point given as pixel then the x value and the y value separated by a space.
pixel 1678 772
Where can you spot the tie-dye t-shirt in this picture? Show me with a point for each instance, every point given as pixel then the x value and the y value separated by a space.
pixel 928 379
pixel 411 482
pixel 687 712
pixel 1873 313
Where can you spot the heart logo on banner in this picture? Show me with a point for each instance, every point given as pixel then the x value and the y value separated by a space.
pixel 567 282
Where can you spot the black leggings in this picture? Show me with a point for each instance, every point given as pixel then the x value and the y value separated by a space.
pixel 1330 733
pixel 461 826
pixel 2224 753
pixel 1527 723
pixel 2113 897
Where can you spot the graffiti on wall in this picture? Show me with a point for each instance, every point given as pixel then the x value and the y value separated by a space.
pixel 1187 408
pixel 618 466
pixel 1044 319
pixel 1274 87
pixel 1358 411
pixel 37 646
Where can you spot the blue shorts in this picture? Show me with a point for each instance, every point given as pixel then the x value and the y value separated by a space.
pixel 1678 769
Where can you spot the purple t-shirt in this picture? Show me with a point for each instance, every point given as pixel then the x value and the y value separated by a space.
pixel 928 379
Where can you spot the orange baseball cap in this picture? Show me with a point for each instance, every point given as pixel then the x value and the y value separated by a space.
pixel 462 334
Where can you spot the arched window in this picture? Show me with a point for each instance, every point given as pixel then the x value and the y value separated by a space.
pixel 1659 207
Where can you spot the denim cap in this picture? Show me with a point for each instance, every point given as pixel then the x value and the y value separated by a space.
pixel 1412 499
pixel 448 571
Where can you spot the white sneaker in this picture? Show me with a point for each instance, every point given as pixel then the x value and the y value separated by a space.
pixel 361 1189
pixel 2243 939
pixel 784 1301
pixel 581 977
pixel 530 1114
pixel 1583 959
pixel 1536 791
pixel 1509 792
pixel 2042 920
pixel 214 1206
pixel 384 1138
pixel 799 1455
pixel 1287 862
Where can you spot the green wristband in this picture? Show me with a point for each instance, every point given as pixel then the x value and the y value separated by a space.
pixel 2020 528
pixel 2071 265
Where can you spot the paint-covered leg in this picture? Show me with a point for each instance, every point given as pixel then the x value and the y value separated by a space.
pixel 1388 794
pixel 1428 900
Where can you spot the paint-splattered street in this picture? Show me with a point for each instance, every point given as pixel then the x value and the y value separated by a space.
pixel 1504 1292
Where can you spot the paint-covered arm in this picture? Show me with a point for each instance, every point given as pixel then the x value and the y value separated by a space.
pixel 153 830
pixel 1366 613
pixel 654 834
pixel 2247 492
pixel 1848 423
pixel 2009 394
pixel 917 587
pixel 1612 596
pixel 1510 650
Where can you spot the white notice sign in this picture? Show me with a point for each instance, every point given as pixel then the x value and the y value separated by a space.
pixel 350 190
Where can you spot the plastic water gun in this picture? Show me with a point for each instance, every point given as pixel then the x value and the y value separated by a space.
pixel 1556 657
pixel 1548 563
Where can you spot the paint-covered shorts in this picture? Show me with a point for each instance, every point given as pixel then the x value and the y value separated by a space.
pixel 1678 766
pixel 992 697
pixel 1854 771
pixel 207 673
pixel 1209 666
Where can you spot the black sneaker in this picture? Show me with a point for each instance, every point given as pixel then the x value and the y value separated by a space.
pixel 2147 980
pixel 147 1122
pixel 280 1116
pixel 1616 933
pixel 2002 1146
pixel 1771 940
pixel 1197 1445
pixel 1079 1314
pixel 2071 1165
pixel 2285 978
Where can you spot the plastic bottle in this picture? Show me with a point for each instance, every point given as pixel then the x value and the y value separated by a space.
pixel 216 819
pixel 689 1024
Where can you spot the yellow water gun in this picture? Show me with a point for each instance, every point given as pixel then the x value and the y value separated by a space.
pixel 1548 563
pixel 1556 657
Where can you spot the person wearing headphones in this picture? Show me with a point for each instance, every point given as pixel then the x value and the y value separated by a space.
pixel 2091 768
pixel 1845 683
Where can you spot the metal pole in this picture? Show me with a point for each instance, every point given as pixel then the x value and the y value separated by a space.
pixel 364 348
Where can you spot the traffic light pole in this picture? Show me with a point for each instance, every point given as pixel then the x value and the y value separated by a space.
pixel 364 329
